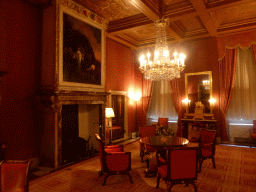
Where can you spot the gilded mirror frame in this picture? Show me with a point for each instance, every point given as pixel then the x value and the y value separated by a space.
pixel 186 92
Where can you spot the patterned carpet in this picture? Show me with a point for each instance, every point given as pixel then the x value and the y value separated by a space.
pixel 236 172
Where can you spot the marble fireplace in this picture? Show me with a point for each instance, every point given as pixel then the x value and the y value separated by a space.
pixel 81 113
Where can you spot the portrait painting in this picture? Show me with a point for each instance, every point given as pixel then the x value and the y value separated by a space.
pixel 81 51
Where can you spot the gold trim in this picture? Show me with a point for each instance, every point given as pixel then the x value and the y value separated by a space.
pixel 186 90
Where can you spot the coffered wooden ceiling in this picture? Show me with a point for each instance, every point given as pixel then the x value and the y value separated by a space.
pixel 131 22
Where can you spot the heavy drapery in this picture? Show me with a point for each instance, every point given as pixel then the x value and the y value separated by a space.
pixel 243 103
pixel 227 68
pixel 176 98
pixel 146 95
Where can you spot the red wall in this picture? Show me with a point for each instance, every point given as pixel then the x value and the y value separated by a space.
pixel 21 57
pixel 202 55
pixel 122 74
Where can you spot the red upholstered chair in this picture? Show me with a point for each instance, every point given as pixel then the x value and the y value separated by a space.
pixel 179 168
pixel 252 132
pixel 207 142
pixel 162 121
pixel 146 131
pixel 113 160
pixel 14 175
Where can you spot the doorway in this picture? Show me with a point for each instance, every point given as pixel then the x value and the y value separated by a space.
pixel 119 122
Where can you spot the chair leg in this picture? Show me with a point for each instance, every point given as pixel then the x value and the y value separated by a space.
pixel 195 187
pixel 142 155
pixel 101 172
pixel 158 180
pixel 213 162
pixel 200 165
pixel 130 177
pixel 107 175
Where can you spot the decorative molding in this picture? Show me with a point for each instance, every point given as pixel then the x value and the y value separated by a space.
pixel 83 12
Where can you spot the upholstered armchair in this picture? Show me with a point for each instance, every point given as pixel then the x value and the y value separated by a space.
pixel 113 160
pixel 252 136
pixel 146 131
pixel 162 121
pixel 207 142
pixel 180 167
pixel 14 175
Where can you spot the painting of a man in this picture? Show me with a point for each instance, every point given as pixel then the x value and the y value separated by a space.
pixel 81 51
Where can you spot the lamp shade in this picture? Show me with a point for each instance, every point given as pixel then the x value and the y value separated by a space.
pixel 109 112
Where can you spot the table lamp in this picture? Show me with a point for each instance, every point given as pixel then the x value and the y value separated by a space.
pixel 109 113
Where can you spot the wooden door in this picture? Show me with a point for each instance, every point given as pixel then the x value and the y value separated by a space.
pixel 118 102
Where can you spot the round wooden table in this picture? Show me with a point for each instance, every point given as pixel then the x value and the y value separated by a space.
pixel 161 144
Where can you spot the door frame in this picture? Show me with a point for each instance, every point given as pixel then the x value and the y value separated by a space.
pixel 124 93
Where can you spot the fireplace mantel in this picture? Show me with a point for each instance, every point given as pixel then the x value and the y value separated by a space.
pixel 51 102
pixel 54 97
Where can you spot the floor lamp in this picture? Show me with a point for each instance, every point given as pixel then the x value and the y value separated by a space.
pixel 109 114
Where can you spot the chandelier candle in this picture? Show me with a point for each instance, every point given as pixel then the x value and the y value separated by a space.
pixel 163 67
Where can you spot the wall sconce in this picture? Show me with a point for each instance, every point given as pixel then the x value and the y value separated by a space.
pixel 134 96
pixel 186 103
pixel 212 102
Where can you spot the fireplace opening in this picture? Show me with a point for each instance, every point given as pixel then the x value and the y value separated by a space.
pixel 79 124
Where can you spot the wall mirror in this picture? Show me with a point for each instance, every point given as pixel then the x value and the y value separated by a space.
pixel 198 87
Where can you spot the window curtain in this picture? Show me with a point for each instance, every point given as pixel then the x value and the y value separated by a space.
pixel 227 67
pixel 146 94
pixel 242 107
pixel 161 104
pixel 177 102
pixel 254 52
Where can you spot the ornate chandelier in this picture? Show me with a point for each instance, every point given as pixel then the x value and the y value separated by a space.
pixel 164 66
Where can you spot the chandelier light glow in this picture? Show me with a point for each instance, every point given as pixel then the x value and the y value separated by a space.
pixel 164 66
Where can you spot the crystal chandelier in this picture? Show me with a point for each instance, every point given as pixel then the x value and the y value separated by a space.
pixel 164 67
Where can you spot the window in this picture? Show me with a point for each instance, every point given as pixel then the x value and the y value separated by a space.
pixel 161 104
pixel 242 107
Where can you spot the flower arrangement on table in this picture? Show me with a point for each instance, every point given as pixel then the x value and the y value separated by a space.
pixel 164 130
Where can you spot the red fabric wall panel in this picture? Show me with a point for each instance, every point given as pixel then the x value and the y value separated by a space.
pixel 22 56
pixel 122 74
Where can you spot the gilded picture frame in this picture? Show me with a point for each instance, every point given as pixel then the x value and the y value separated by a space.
pixel 81 50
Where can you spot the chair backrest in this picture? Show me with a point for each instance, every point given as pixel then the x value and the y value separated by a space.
pixel 254 127
pixel 162 121
pixel 147 130
pixel 207 136
pixel 101 150
pixel 14 175
pixel 182 163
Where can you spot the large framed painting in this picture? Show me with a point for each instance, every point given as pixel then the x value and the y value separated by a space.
pixel 81 51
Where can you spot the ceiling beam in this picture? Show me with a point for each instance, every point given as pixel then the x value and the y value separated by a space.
pixel 205 16
pixel 220 5
pixel 127 23
pixel 153 16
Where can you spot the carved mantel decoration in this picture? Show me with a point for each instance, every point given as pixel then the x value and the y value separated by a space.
pixel 51 102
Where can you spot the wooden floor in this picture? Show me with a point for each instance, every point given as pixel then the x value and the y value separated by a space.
pixel 40 171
